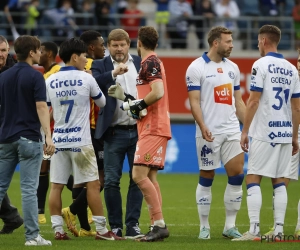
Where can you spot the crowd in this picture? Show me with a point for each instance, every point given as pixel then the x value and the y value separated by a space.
pixel 173 18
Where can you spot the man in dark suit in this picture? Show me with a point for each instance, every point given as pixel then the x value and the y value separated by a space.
pixel 119 132
pixel 8 213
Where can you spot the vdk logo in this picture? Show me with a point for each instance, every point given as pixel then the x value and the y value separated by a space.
pixel 223 94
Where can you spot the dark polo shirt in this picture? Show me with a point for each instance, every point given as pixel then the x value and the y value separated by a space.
pixel 21 87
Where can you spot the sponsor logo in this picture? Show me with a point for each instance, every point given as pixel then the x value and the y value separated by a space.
pixel 139 81
pixel 67 130
pixel 231 74
pixel 137 148
pixel 272 135
pixel 55 84
pixel 254 71
pixel 253 78
pixel 154 72
pixel 223 94
pixel 189 82
pixel 210 76
pixel 205 151
pixel 203 201
pixel 238 199
pixel 66 139
pixel 147 157
pixel 137 157
pixel 159 151
pixel 273 69
pixel 76 150
pixel 280 124
pixel 219 70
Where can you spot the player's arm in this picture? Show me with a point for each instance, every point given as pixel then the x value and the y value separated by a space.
pixel 156 93
pixel 239 105
pixel 96 94
pixel 194 98
pixel 44 117
pixel 250 111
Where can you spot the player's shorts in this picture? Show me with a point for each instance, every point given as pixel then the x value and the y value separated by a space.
pixel 223 148
pixel 268 160
pixel 151 151
pixel 162 17
pixel 98 145
pixel 294 172
pixel 80 161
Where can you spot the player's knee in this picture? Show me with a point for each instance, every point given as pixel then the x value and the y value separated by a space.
pixel 236 180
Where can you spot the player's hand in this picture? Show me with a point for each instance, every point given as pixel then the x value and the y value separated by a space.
pixel 206 134
pixel 244 142
pixel 136 107
pixel 295 145
pixel 50 147
pixel 120 69
pixel 116 91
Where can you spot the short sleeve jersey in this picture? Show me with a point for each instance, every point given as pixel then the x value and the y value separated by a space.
pixel 157 120
pixel 216 83
pixel 278 81
pixel 69 92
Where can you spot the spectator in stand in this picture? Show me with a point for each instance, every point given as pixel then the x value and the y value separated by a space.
pixel 63 20
pixel 132 20
pixel 202 8
pixel 162 17
pixel 87 19
pixel 102 9
pixel 180 12
pixel 32 18
pixel 296 17
pixel 228 10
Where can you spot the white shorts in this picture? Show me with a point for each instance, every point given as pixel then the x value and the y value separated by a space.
pixel 270 161
pixel 294 172
pixel 80 161
pixel 223 148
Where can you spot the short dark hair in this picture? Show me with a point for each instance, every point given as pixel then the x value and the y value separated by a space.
pixel 89 36
pixel 148 37
pixel 51 46
pixel 118 35
pixel 24 44
pixel 215 34
pixel 70 47
pixel 273 33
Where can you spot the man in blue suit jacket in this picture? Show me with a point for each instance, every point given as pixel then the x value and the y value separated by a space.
pixel 119 132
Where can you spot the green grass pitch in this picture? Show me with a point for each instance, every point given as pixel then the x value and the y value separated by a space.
pixel 180 213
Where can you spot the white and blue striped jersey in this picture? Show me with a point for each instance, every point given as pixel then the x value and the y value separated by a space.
pixel 216 83
pixel 278 81
pixel 69 92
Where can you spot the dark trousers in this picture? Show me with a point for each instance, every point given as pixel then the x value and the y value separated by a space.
pixel 8 213
pixel 117 144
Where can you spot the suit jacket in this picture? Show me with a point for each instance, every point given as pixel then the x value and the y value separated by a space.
pixel 101 70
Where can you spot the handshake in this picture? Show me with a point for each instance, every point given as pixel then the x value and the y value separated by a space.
pixel 136 108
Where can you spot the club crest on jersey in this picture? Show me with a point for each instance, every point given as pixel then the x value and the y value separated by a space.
pixel 231 74
pixel 147 157
pixel 223 94
pixel 220 70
